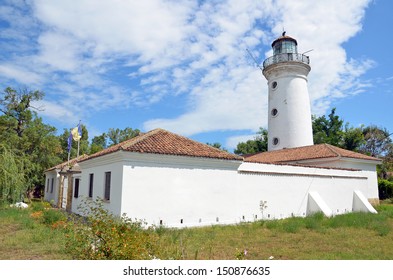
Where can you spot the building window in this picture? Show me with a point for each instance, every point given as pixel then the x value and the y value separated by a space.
pixel 76 190
pixel 274 85
pixel 107 192
pixel 274 112
pixel 91 180
pixel 275 141
pixel 51 185
pixel 47 185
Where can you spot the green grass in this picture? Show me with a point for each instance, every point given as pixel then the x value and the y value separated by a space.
pixel 23 237
pixel 351 236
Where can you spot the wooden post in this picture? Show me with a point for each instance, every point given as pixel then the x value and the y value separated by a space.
pixel 69 191
pixel 61 188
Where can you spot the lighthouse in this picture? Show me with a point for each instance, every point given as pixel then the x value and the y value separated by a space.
pixel 289 120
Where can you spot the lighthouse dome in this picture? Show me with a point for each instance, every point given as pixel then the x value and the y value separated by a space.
pixel 284 44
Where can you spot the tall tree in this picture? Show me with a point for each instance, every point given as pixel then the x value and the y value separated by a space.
pixel 377 141
pixel 116 136
pixel 259 144
pixel 12 180
pixel 32 144
pixel 328 130
pixel 98 143
pixel 17 105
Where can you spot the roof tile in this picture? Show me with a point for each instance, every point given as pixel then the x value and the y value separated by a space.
pixel 319 151
pixel 160 141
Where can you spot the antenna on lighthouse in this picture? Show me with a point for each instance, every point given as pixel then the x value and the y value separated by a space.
pixel 253 58
pixel 308 51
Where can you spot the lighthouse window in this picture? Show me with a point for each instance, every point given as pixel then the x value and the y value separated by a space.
pixel 274 85
pixel 275 141
pixel 274 112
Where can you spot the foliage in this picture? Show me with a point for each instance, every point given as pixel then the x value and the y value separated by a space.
pixel 33 143
pixel 12 180
pixel 15 105
pixel 377 141
pixel 217 145
pixel 98 143
pixel 105 236
pixel 385 188
pixel 83 144
pixel 328 130
pixel 259 144
pixel 116 136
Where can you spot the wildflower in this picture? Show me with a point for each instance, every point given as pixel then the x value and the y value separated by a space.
pixel 271 257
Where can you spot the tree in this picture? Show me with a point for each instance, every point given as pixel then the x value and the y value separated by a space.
pixel 16 106
pixel 32 144
pixel 328 130
pixel 12 180
pixel 83 143
pixel 217 145
pixel 98 143
pixel 353 138
pixel 377 141
pixel 116 136
pixel 259 144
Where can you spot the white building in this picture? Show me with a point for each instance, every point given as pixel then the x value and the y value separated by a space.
pixel 167 179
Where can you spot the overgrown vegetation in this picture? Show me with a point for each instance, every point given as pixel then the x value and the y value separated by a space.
pixel 41 232
pixel 104 236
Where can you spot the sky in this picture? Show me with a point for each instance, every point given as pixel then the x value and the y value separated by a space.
pixel 183 65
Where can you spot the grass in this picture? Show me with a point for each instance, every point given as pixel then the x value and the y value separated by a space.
pixel 22 237
pixel 350 236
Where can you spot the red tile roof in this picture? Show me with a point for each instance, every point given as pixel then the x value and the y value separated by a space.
pixel 66 164
pixel 160 141
pixel 319 151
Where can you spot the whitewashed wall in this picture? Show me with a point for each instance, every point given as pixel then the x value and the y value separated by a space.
pixel 185 191
pixel 199 193
pixel 48 195
pixel 98 166
pixel 368 169
pixel 172 188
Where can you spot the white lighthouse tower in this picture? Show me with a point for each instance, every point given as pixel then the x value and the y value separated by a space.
pixel 289 121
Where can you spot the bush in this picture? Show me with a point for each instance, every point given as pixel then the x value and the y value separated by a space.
pixel 104 236
pixel 385 188
pixel 52 216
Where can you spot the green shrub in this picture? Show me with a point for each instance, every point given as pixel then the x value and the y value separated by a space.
pixel 104 236
pixel 52 216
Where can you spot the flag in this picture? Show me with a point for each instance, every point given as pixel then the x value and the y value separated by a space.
pixel 69 141
pixel 76 133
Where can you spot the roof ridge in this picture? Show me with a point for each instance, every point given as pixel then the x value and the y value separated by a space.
pixel 331 148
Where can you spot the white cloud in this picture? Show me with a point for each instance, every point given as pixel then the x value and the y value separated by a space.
pixel 82 49
pixel 23 76
pixel 232 142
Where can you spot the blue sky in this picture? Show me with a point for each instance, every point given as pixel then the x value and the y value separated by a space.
pixel 183 65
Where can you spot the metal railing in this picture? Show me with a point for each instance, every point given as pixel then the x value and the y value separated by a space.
pixel 285 57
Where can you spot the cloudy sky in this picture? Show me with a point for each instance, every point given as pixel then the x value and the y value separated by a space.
pixel 183 65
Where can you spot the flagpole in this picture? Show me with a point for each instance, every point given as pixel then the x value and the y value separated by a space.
pixel 79 136
pixel 78 149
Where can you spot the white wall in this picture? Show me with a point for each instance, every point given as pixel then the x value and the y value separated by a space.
pixel 171 188
pixel 48 195
pixel 208 191
pixel 98 167
pixel 368 169
pixel 199 196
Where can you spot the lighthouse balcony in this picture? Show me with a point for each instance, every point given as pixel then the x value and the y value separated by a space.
pixel 286 57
